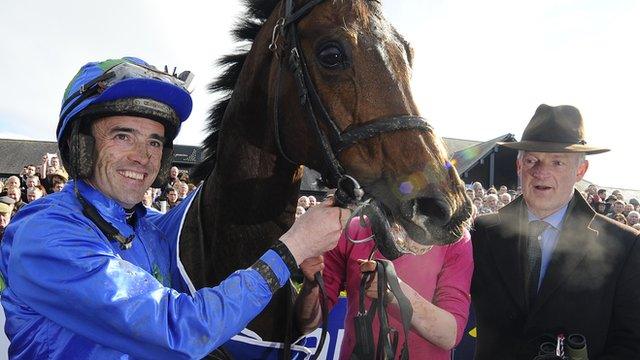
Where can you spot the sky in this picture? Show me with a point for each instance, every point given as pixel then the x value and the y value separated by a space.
pixel 481 68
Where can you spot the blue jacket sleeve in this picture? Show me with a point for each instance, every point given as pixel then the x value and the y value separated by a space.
pixel 66 271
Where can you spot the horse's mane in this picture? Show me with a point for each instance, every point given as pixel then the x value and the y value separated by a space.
pixel 246 30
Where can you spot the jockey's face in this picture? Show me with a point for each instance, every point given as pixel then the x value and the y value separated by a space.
pixel 129 152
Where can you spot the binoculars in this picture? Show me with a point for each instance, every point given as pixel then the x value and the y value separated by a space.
pixel 573 347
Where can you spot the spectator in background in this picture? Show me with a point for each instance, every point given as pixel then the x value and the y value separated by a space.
pixel 479 204
pixel 173 176
pixel 12 182
pixel 635 203
pixel 9 201
pixel 491 203
pixel 633 218
pixel 619 195
pixel 34 193
pixel 58 181
pixel 601 208
pixel 312 201
pixel 627 209
pixel 5 217
pixel 183 176
pixel 470 193
pixel 147 199
pixel 172 198
pixel 33 181
pixel 505 198
pixel 503 190
pixel 183 190
pixel 618 208
pixel 299 211
pixel 14 193
pixel 602 193
pixel 28 171
pixel 303 201
pixel 620 218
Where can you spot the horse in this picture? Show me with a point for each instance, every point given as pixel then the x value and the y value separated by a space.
pixel 308 59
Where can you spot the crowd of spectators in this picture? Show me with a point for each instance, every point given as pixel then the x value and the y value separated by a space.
pixel 614 206
pixel 304 203
pixel 36 181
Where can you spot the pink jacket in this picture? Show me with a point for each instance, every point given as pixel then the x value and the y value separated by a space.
pixel 442 276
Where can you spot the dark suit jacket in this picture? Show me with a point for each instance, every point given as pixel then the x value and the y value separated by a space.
pixel 591 287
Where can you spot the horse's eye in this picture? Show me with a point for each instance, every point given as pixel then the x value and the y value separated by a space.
pixel 331 56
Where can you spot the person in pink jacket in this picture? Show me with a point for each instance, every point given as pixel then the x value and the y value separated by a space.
pixel 436 283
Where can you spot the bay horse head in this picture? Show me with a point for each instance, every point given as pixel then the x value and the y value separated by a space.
pixel 342 105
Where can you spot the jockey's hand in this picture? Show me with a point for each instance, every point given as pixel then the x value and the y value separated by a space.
pixel 368 268
pixel 311 266
pixel 316 231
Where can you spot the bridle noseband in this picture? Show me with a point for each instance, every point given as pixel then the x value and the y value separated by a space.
pixel 336 140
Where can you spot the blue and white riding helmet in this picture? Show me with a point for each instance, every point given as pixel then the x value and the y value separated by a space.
pixel 104 86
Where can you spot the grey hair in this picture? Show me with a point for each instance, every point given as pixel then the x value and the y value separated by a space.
pixel 582 157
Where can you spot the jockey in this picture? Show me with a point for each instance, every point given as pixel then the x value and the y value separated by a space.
pixel 86 272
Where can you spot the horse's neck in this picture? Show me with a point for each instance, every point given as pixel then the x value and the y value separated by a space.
pixel 252 193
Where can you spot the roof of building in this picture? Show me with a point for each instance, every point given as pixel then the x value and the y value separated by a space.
pixel 464 159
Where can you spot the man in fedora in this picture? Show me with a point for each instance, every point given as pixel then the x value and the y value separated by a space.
pixel 546 264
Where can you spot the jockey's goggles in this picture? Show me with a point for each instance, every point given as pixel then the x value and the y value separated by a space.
pixel 113 80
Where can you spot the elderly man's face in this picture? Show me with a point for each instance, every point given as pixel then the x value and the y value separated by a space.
pixel 633 218
pixel 183 190
pixel 14 193
pixel 129 151
pixel 34 195
pixel 173 172
pixel 548 180
pixel 12 182
pixel 31 182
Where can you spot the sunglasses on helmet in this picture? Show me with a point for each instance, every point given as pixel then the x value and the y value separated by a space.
pixel 123 71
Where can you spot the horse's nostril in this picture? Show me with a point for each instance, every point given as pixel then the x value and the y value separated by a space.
pixel 437 209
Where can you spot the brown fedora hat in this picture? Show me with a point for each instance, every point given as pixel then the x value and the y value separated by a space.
pixel 555 129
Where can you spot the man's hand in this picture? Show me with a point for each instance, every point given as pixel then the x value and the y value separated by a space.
pixel 316 231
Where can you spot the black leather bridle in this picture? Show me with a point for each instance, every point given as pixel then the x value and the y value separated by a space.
pixel 335 140
pixel 348 193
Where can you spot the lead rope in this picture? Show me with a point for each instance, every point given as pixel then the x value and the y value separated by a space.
pixel 363 322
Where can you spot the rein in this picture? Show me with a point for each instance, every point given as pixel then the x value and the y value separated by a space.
pixel 363 322
pixel 349 193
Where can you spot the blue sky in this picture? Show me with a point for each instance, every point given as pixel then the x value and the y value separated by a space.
pixel 481 68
